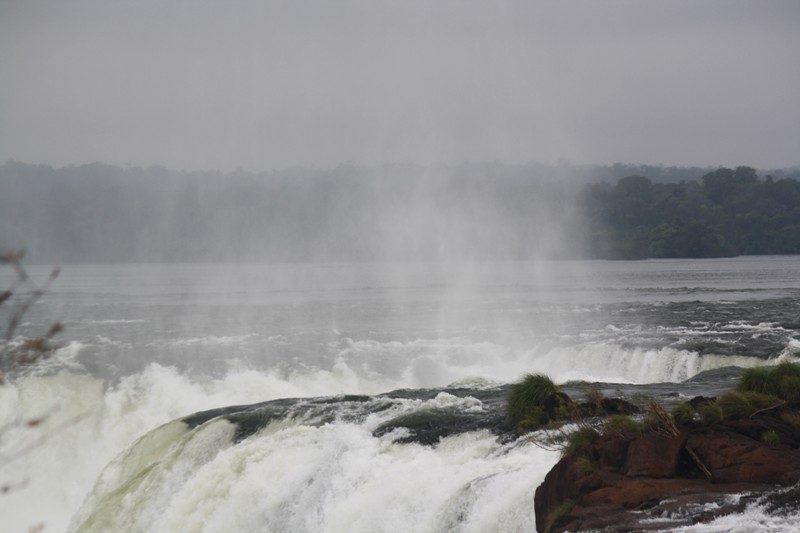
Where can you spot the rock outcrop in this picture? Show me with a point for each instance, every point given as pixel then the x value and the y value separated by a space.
pixel 662 479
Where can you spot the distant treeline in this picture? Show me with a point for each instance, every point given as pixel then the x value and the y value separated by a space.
pixel 101 213
pixel 729 212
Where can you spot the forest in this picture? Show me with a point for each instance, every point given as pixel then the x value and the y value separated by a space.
pixel 728 212
pixel 106 214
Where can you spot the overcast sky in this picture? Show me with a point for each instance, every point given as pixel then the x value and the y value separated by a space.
pixel 201 84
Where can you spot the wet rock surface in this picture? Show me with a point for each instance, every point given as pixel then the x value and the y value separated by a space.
pixel 428 426
pixel 657 481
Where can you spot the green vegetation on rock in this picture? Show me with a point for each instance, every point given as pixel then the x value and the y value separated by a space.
pixel 622 425
pixel 734 405
pixel 580 438
pixel 710 412
pixel 584 465
pixel 561 510
pixel 526 401
pixel 761 401
pixel 682 413
pixel 770 437
pixel 782 381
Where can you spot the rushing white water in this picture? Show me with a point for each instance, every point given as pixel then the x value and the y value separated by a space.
pixel 290 477
pixel 412 478
pixel 295 477
pixel 137 360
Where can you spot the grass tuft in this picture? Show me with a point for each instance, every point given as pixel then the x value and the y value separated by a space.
pixel 526 400
pixel 788 377
pixel 770 437
pixel 761 401
pixel 622 425
pixel 790 417
pixel 757 380
pixel 710 412
pixel 594 397
pixel 580 438
pixel 683 414
pixel 558 512
pixel 782 381
pixel 583 465
pixel 734 405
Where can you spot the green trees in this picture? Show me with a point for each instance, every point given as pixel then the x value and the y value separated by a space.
pixel 730 212
pixel 725 186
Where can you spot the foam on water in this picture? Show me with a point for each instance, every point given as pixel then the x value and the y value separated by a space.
pixel 754 518
pixel 432 363
pixel 295 477
pixel 211 340
pixel 87 425
pixel 50 464
pixel 371 366
pixel 466 483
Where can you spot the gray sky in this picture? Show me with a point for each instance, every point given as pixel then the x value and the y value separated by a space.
pixel 200 84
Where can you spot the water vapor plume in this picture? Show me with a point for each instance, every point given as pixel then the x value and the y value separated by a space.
pixel 472 212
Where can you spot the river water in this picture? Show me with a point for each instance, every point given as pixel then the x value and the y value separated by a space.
pixel 147 344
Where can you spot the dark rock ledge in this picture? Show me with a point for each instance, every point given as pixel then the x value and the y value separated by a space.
pixel 651 481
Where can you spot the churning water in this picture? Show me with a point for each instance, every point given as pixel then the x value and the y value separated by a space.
pixel 148 344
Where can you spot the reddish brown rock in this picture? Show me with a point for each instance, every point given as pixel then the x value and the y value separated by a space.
pixel 632 483
pixel 653 456
pixel 733 458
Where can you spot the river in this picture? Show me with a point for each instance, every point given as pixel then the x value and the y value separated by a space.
pixel 147 344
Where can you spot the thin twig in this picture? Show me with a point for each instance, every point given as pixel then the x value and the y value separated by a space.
pixel 699 463
pixel 768 408
pixel 666 420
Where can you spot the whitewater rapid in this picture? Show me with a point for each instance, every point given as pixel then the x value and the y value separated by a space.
pixel 293 477
pixel 467 482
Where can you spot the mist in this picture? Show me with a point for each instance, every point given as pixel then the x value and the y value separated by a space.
pixel 369 131
pixel 268 85
pixel 104 214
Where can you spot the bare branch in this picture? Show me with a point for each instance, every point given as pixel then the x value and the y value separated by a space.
pixel 25 351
